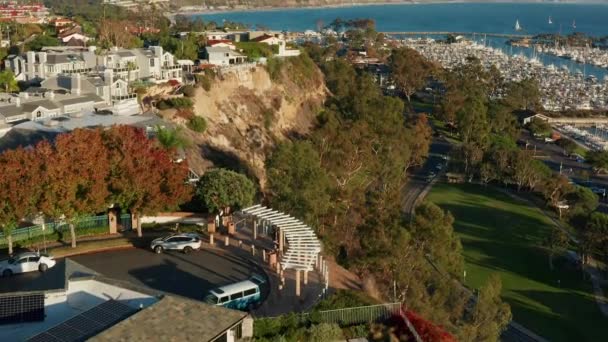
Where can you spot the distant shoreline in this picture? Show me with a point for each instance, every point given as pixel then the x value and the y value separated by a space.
pixel 173 14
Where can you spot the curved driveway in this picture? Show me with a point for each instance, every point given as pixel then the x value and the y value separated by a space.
pixel 189 275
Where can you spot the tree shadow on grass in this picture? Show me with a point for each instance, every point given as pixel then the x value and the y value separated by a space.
pixel 571 316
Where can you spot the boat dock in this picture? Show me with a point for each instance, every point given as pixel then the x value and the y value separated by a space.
pixel 445 33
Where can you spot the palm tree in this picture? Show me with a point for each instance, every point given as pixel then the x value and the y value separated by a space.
pixel 130 67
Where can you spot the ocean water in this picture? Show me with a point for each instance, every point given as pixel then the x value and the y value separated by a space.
pixel 591 19
pixel 456 17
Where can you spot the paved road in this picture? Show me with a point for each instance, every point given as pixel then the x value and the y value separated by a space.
pixel 191 275
pixel 418 176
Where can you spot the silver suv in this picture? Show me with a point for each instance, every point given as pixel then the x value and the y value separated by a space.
pixel 182 242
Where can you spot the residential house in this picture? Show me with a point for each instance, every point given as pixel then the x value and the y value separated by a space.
pixel 69 95
pixel 268 39
pixel 222 43
pixel 223 56
pixel 152 64
pixel 73 33
pixel 61 22
pixel 91 307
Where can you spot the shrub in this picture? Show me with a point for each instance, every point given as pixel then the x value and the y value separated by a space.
pixel 268 118
pixel 205 79
pixel 197 124
pixel 181 102
pixel 189 91
pixel 162 105
pixel 274 66
pixel 255 50
pixel 325 332
pixel 178 103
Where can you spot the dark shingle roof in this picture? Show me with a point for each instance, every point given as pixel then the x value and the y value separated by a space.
pixel 30 106
pixel 174 319
pixel 81 99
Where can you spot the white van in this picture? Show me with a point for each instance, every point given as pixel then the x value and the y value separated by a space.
pixel 238 296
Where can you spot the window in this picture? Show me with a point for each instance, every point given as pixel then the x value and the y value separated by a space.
pixel 250 292
pixel 224 299
pixel 152 62
pixel 34 259
pixel 38 114
pixel 236 296
pixel 22 260
pixel 117 85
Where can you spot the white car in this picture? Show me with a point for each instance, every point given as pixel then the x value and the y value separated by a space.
pixel 181 242
pixel 26 262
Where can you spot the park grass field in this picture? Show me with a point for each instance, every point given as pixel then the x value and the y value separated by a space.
pixel 503 235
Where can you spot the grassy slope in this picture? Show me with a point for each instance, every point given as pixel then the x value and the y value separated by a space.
pixel 500 234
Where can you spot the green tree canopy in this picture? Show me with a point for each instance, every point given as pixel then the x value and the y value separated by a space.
pixel 297 183
pixel 8 81
pixel 410 70
pixel 221 189
pixel 539 127
pixel 433 231
pixel 598 159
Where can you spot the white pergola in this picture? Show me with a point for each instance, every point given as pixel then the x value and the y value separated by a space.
pixel 304 247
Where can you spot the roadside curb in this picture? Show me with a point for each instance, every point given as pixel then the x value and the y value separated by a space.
pixel 99 250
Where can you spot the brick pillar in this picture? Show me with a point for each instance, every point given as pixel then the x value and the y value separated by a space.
pixel 211 239
pixel 113 221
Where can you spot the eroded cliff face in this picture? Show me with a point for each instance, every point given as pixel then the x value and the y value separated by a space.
pixel 247 113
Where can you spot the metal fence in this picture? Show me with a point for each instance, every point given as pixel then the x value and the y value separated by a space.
pixel 358 315
pixel 125 221
pixel 50 228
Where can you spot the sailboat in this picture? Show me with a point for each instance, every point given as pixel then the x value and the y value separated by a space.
pixel 517 26
pixel 550 21
pixel 573 24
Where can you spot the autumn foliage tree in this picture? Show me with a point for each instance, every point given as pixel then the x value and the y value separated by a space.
pixel 86 171
pixel 143 177
pixel 18 189
pixel 74 177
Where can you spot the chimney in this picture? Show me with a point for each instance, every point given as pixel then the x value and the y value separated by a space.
pixel 31 63
pixel 18 102
pixel 42 60
pixel 92 48
pixel 158 51
pixel 49 95
pixel 75 84
pixel 24 95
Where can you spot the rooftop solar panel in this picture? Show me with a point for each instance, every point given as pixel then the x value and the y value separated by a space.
pixel 87 324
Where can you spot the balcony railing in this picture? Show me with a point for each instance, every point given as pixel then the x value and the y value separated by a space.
pixel 172 67
pixel 125 69
pixel 123 97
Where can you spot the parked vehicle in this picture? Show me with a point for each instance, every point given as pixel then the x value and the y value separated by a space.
pixel 182 242
pixel 242 295
pixel 26 262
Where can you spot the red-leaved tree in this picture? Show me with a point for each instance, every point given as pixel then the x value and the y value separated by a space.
pixel 74 178
pixel 427 330
pixel 143 176
pixel 19 189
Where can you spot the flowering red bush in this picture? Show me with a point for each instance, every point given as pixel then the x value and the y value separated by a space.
pixel 427 330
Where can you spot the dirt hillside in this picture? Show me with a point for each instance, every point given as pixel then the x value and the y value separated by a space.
pixel 247 113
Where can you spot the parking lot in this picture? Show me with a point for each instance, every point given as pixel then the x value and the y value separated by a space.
pixel 191 275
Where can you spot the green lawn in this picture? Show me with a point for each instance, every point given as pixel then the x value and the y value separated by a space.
pixel 500 234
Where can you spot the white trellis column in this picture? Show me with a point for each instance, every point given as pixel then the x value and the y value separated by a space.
pixel 297 283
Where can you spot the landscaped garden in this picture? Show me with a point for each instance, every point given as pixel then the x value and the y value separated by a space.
pixel 504 235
